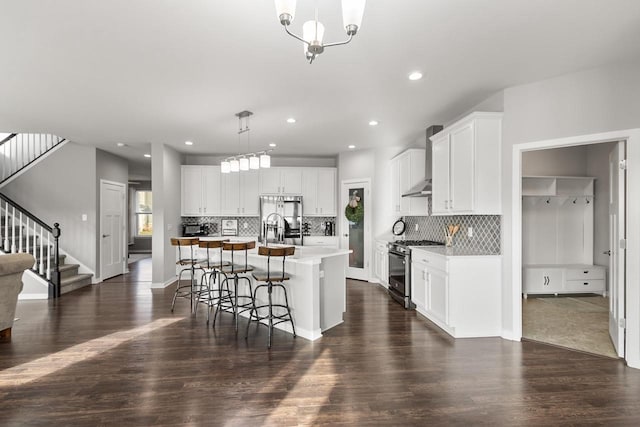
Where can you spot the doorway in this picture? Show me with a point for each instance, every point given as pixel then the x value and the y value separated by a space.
pixel 113 238
pixel 355 226
pixel 573 271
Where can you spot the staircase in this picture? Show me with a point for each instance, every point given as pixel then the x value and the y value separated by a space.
pixel 22 231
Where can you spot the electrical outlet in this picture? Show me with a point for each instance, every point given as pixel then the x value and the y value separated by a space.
pixel 470 232
pixel 417 227
pixel 245 225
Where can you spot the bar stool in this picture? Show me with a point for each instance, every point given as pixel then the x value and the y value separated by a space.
pixel 212 267
pixel 236 302
pixel 269 281
pixel 186 259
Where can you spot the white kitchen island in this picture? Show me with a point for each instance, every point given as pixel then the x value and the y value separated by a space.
pixel 316 289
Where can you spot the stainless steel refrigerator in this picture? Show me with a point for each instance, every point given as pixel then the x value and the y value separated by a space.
pixel 281 220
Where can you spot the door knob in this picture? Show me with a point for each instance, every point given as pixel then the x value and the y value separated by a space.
pixel 346 235
pixel 607 252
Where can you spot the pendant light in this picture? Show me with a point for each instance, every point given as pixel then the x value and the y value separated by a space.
pixel 248 161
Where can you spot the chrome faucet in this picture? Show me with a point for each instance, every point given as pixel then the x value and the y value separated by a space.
pixel 277 227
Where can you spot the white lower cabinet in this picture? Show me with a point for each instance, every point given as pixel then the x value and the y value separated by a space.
pixel 563 279
pixel 381 262
pixel 321 241
pixel 460 294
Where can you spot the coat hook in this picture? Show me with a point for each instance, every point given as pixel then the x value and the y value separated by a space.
pixel 587 199
pixel 548 200
pixel 575 200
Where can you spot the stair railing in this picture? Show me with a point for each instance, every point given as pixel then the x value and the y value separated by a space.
pixel 18 150
pixel 21 231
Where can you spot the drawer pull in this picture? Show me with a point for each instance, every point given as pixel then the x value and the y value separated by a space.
pixel 585 283
pixel 586 272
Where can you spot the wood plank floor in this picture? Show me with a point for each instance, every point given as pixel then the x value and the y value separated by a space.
pixel 114 354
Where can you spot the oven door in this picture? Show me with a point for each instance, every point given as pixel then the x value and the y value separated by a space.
pixel 398 277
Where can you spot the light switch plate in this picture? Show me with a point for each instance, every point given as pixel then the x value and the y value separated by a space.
pixel 84 217
pixel 470 231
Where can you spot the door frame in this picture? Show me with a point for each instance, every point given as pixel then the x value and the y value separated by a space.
pixel 632 288
pixel 367 222
pixel 124 222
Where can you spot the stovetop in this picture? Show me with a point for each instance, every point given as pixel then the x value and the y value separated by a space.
pixel 408 243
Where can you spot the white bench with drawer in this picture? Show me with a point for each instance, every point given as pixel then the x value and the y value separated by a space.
pixel 564 279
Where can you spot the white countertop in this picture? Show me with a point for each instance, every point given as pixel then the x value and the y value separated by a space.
pixel 452 251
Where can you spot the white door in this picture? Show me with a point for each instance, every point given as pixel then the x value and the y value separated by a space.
pixel 356 234
pixel 617 256
pixel 440 168
pixel 112 229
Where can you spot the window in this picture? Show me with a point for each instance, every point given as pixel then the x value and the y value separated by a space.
pixel 144 217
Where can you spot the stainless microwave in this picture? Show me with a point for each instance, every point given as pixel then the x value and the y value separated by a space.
pixel 191 230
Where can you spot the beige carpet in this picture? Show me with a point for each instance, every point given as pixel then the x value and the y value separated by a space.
pixel 580 323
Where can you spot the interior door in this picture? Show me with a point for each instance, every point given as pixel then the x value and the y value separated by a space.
pixel 112 229
pixel 617 253
pixel 356 235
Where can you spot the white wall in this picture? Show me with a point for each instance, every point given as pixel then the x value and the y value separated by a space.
pixel 592 101
pixel 165 171
pixel 570 161
pixel 60 189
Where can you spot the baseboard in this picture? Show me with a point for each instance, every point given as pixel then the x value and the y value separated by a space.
pixel 509 335
pixel 157 285
pixel 23 297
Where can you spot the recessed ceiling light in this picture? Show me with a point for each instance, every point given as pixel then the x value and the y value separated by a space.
pixel 188 143
pixel 291 120
pixel 148 156
pixel 416 75
pixel 373 123
pixel 273 144
pixel 351 147
pixel 121 144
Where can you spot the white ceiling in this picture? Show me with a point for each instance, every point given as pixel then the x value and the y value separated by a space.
pixel 143 71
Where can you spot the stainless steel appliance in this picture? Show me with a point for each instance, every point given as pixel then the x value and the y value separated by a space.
pixel 192 230
pixel 329 228
pixel 400 269
pixel 281 219
pixel 423 188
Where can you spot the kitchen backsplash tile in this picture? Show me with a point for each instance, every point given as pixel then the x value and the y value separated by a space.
pixel 316 224
pixel 486 230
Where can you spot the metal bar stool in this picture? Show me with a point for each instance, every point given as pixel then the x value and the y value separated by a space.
pixel 186 259
pixel 270 280
pixel 235 273
pixel 212 266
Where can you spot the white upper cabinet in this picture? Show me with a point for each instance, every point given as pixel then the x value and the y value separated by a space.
pixel 319 191
pixel 407 170
pixel 281 181
pixel 200 191
pixel 466 166
pixel 240 193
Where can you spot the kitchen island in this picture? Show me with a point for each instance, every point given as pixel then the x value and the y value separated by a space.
pixel 316 289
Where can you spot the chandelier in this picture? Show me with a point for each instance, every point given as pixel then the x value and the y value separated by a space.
pixel 244 162
pixel 313 31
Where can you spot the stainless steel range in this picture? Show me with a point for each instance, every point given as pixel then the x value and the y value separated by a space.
pixel 400 269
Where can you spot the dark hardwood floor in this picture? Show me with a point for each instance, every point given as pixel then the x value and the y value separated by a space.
pixel 114 354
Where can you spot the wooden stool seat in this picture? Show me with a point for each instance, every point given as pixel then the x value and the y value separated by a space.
pixel 275 276
pixel 240 269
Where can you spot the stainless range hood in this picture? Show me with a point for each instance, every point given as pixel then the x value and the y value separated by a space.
pixel 423 188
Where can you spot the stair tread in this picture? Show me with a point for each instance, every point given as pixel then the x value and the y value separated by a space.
pixel 73 279
pixel 65 267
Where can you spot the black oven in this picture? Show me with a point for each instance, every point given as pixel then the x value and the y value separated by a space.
pixel 400 275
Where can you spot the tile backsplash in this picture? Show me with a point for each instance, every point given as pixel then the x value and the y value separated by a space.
pixel 486 230
pixel 316 224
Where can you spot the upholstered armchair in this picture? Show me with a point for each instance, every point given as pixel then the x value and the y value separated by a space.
pixel 11 268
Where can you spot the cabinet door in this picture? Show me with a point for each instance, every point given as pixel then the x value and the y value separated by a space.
pixel 309 191
pixel 191 191
pixel 404 170
pixel 461 149
pixel 417 205
pixel 326 192
pixel 249 192
pixel 438 295
pixel 419 285
pixel 440 167
pixel 395 185
pixel 542 280
pixel 291 180
pixel 270 181
pixel 211 190
pixel 230 191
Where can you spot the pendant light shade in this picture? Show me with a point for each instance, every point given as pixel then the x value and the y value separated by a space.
pixel 352 12
pixel 265 161
pixel 254 162
pixel 286 7
pixel 225 167
pixel 244 164
pixel 313 31
pixel 235 165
